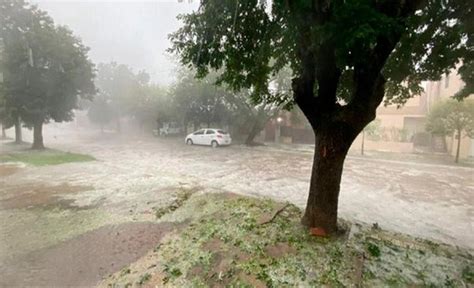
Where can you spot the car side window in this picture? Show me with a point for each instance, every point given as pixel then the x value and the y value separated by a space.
pixel 210 132
pixel 200 132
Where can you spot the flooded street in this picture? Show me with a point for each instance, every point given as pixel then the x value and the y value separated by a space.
pixel 41 207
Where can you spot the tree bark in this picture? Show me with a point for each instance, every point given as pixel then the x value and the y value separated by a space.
pixel 257 127
pixel 329 155
pixel 456 160
pixel 18 135
pixel 38 136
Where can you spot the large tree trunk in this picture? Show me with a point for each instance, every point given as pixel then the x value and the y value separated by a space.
pixel 456 160
pixel 329 155
pixel 18 135
pixel 38 136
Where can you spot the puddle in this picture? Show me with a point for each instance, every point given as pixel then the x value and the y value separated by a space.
pixel 7 170
pixel 39 195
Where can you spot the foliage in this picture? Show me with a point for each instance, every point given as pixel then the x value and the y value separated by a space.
pixel 373 130
pixel 224 35
pixel 118 85
pixel 226 245
pixel 373 249
pixel 123 92
pixel 46 157
pixel 45 67
pixel 199 101
pixel 144 278
pixel 100 110
pixel 152 103
pixel 452 116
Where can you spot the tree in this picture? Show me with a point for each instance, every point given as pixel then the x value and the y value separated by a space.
pixel 46 70
pixel 253 112
pixel 199 101
pixel 100 111
pixel 371 130
pixel 152 104
pixel 345 57
pixel 120 84
pixel 5 117
pixel 450 117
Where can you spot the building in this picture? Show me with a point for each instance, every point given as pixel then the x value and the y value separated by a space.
pixel 402 129
pixel 409 121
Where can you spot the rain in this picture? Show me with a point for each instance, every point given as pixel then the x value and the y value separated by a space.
pixel 236 143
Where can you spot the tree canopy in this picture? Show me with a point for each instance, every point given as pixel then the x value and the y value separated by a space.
pixel 45 67
pixel 250 41
pixel 452 117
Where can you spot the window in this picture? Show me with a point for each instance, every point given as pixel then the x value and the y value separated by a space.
pixel 200 132
pixel 210 132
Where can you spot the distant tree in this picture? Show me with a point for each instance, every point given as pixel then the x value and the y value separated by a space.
pixel 452 117
pixel 199 101
pixel 247 118
pixel 121 85
pixel 372 130
pixel 346 57
pixel 46 68
pixel 254 111
pixel 152 103
pixel 100 111
pixel 5 117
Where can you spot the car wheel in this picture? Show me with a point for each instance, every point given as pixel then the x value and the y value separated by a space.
pixel 214 144
pixel 189 142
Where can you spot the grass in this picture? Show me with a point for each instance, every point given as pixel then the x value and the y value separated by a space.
pixel 44 157
pixel 230 243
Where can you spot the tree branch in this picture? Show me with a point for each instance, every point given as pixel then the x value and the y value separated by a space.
pixel 276 214
pixel 369 81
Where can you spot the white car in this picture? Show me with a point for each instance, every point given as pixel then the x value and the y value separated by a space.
pixel 212 137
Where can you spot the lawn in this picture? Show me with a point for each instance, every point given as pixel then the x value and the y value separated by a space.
pixel 236 241
pixel 44 157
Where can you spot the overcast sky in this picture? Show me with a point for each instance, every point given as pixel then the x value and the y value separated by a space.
pixel 129 32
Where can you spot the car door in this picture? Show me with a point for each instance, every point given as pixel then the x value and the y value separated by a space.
pixel 198 137
pixel 209 136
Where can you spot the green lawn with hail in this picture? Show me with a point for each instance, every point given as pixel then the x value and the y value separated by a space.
pixel 236 241
pixel 44 157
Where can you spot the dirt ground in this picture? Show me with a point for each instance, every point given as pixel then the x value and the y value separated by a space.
pixel 49 214
pixel 86 259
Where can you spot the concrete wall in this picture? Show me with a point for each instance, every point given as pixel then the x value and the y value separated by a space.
pixel 385 146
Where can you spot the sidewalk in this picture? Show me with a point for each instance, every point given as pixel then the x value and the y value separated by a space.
pixel 414 158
